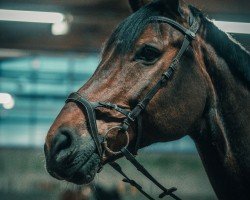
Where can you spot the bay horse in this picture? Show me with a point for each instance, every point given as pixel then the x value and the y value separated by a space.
pixel 207 98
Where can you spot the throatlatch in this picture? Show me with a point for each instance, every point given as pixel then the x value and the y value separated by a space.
pixel 135 115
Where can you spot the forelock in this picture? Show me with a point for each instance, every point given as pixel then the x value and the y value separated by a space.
pixel 129 30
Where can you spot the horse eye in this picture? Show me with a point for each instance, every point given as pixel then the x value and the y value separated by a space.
pixel 147 54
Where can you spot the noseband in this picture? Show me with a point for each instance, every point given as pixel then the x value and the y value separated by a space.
pixel 135 115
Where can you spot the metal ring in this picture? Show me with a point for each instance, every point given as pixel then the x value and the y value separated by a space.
pixel 105 140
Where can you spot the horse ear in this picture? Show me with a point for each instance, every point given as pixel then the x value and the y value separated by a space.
pixel 137 4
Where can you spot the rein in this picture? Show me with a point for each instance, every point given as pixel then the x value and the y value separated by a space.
pixel 135 115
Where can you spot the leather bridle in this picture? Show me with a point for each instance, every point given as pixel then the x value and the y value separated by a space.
pixel 135 115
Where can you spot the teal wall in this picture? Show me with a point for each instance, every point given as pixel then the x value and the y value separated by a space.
pixel 39 86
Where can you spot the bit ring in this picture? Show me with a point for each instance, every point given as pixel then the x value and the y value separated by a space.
pixel 105 145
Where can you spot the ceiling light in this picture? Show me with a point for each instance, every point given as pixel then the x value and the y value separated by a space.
pixel 233 27
pixel 7 100
pixel 60 28
pixel 30 16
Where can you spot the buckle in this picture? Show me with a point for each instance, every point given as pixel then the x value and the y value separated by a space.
pixel 190 34
pixel 141 105
pixel 130 118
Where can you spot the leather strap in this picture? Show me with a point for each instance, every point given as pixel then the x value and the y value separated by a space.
pixel 136 113
pixel 110 106
pixel 188 32
pixel 140 168
pixel 141 106
pixel 126 179
pixel 75 97
pixel 139 134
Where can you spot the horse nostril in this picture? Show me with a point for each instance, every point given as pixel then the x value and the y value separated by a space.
pixel 61 141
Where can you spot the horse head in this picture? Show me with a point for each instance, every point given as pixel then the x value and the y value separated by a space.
pixel 133 60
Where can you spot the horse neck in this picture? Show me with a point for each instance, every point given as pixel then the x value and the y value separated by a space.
pixel 224 141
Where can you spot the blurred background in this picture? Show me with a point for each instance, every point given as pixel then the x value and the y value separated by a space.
pixel 50 48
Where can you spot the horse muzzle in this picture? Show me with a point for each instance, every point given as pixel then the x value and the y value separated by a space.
pixel 71 157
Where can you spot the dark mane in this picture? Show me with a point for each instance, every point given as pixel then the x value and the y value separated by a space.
pixel 131 28
pixel 236 56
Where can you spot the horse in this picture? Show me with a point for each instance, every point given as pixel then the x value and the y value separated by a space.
pixel 206 98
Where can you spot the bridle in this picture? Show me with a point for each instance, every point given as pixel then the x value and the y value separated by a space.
pixel 135 115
